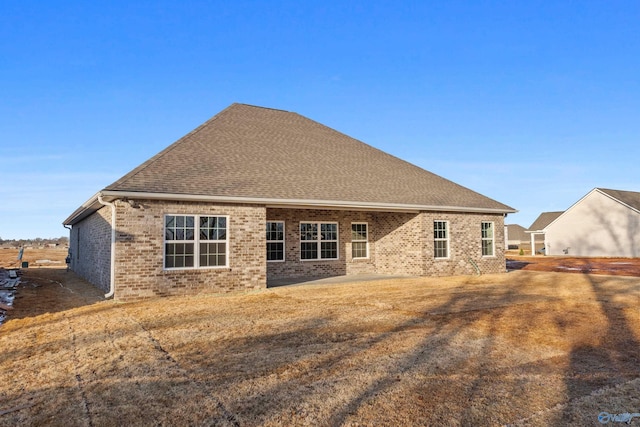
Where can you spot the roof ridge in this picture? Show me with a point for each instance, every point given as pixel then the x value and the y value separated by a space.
pixel 617 191
pixel 260 106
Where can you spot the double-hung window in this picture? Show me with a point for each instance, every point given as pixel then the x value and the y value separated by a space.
pixel 275 240
pixel 488 239
pixel 440 239
pixel 318 240
pixel 359 240
pixel 195 241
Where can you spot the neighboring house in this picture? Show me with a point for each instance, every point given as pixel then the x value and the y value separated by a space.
pixel 256 194
pixel 536 231
pixel 603 223
pixel 516 236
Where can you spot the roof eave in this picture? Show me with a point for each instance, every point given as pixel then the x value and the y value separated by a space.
pixel 93 205
pixel 86 209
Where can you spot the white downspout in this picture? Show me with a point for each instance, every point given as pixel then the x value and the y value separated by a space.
pixel 112 281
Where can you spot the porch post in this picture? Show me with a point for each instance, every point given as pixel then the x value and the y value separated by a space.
pixel 533 244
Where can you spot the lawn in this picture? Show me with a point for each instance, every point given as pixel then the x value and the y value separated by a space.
pixel 521 348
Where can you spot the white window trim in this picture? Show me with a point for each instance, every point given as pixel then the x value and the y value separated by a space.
pixel 196 243
pixel 319 241
pixel 492 238
pixel 447 239
pixel 284 246
pixel 366 224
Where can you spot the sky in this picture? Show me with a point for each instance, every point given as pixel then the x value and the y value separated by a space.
pixel 531 103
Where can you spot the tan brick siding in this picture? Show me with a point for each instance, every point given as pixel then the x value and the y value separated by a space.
pixel 399 244
pixel 465 244
pixel 295 267
pixel 90 247
pixel 140 269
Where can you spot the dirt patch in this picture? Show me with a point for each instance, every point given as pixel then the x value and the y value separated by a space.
pixel 523 348
pixel 35 257
pixel 608 266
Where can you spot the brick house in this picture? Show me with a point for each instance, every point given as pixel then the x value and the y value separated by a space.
pixel 256 194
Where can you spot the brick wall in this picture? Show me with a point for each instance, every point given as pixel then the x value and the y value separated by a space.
pixel 90 247
pixel 294 267
pixel 140 269
pixel 465 244
pixel 399 244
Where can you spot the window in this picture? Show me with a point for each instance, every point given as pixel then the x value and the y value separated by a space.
pixel 318 240
pixel 213 241
pixel 193 241
pixel 359 240
pixel 440 239
pixel 275 241
pixel 488 239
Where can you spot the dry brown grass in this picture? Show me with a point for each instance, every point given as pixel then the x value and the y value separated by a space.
pixel 36 257
pixel 528 348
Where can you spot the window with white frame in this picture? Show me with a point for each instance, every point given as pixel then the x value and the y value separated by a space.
pixel 318 240
pixel 275 240
pixel 440 239
pixel 488 239
pixel 195 241
pixel 359 240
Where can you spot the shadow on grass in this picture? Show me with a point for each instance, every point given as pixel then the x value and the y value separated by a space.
pixel 51 290
pixel 615 360
pixel 463 361
pixel 457 371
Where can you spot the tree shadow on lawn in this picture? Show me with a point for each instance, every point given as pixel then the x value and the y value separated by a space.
pixel 614 360
pixel 460 367
pixel 480 356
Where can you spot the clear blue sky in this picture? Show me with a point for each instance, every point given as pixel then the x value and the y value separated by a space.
pixel 532 103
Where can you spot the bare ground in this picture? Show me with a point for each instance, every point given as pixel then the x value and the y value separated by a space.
pixel 35 257
pixel 523 348
pixel 603 265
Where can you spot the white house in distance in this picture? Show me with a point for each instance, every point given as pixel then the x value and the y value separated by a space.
pixel 537 230
pixel 603 223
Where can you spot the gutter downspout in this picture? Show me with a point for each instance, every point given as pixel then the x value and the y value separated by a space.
pixel 475 265
pixel 68 258
pixel 112 281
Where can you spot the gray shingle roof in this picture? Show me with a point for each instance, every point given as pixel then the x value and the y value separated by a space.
pixel 629 198
pixel 261 153
pixel 543 220
pixel 516 232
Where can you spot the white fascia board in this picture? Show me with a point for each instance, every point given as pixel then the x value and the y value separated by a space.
pixel 90 205
pixel 288 203
pixel 110 196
